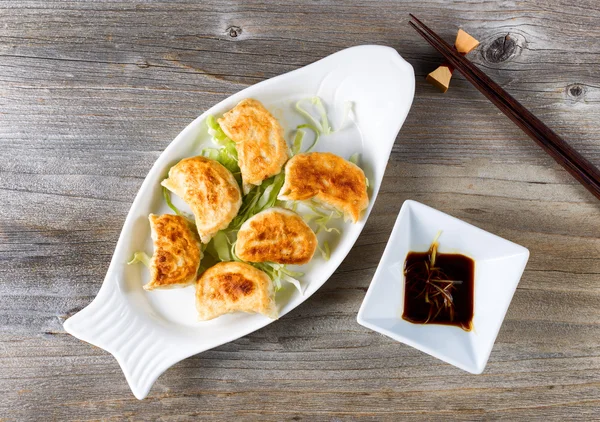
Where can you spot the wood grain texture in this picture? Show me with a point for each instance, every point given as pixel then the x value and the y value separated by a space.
pixel 92 92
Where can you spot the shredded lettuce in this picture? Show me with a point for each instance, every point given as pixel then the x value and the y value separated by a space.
pixel 299 138
pixel 322 217
pixel 297 143
pixel 323 124
pixel 278 273
pixel 167 195
pixel 214 130
pixel 233 254
pixel 226 155
pixel 294 281
pixel 140 257
pixel 325 251
pixel 221 245
pixel 269 196
pixel 258 199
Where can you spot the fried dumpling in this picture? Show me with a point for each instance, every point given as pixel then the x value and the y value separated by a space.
pixel 209 189
pixel 176 255
pixel 329 179
pixel 234 286
pixel 261 147
pixel 276 235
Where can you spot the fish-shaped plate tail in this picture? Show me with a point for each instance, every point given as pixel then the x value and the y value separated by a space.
pixel 147 332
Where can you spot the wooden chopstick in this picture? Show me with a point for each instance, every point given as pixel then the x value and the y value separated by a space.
pixel 579 167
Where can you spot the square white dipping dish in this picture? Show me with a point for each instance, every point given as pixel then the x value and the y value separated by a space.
pixel 499 265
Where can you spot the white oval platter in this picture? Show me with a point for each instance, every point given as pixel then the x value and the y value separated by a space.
pixel 147 332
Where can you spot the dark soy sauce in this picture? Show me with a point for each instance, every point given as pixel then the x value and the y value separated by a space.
pixel 441 293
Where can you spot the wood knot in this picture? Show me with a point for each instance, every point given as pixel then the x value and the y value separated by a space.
pixel 142 64
pixel 575 91
pixel 501 49
pixel 233 31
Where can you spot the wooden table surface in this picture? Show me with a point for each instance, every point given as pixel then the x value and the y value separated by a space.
pixel 92 92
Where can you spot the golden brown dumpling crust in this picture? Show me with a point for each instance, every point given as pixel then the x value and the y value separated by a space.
pixel 234 286
pixel 328 178
pixel 262 150
pixel 209 189
pixel 176 255
pixel 276 235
